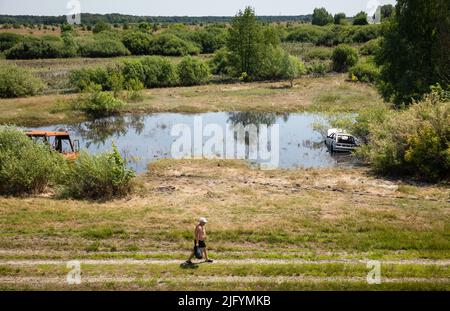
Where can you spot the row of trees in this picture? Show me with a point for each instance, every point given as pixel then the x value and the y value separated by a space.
pixel 92 19
pixel 106 42
pixel 322 17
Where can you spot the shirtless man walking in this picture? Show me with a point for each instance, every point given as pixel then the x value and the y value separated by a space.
pixel 199 240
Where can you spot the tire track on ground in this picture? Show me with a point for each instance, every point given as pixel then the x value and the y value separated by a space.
pixel 125 261
pixel 216 279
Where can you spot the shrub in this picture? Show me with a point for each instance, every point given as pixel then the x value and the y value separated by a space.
pixel 99 176
pixel 364 72
pixel 98 103
pixel 171 45
pixel 360 19
pixel 277 64
pixel 26 166
pixel 306 33
pixel 46 47
pixel 109 78
pixel 8 40
pixel 101 47
pixel 101 26
pixel 137 42
pixel 318 68
pixel 339 18
pixel 344 57
pixel 366 33
pixel 321 53
pixel 370 47
pixel 209 39
pixel 17 82
pixel 220 63
pixel 291 68
pixel 158 72
pixel 414 141
pixel 321 17
pixel 192 71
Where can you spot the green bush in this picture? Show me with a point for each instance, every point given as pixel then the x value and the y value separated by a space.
pixel 192 71
pixel 370 47
pixel 366 33
pixel 277 64
pixel 306 33
pixel 220 63
pixel 109 78
pixel 413 141
pixel 101 26
pixel 17 82
pixel 321 53
pixel 344 57
pixel 171 45
pixel 360 19
pixel 138 42
pixel 210 39
pixel 26 166
pixel 159 72
pixel 101 47
pixel 98 103
pixel 364 72
pixel 101 176
pixel 8 40
pixel 318 68
pixel 46 47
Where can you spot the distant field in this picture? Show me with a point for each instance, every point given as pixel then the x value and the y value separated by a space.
pixel 293 230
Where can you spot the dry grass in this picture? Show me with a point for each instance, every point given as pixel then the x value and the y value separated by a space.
pixel 336 216
pixel 308 94
pixel 300 209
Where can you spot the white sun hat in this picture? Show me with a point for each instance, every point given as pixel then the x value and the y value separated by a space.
pixel 203 219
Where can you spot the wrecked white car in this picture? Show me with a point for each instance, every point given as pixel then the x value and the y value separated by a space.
pixel 338 140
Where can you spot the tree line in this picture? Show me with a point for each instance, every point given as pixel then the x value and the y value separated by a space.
pixel 92 19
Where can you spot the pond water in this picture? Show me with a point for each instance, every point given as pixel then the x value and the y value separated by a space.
pixel 275 140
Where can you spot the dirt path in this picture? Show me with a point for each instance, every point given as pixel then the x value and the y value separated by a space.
pixel 34 262
pixel 215 279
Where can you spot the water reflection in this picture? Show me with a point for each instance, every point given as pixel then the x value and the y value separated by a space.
pixel 146 138
pixel 100 130
pixel 257 118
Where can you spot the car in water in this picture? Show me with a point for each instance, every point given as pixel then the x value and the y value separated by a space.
pixel 338 140
pixel 58 141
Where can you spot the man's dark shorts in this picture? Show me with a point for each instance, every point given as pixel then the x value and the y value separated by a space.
pixel 201 244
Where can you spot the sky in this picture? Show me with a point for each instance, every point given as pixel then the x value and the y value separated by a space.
pixel 187 7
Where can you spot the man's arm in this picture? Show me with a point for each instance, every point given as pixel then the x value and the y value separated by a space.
pixel 197 234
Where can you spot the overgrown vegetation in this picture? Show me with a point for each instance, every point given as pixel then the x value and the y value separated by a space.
pixel 344 57
pixel 414 52
pixel 26 167
pixel 98 103
pixel 17 82
pixel 364 71
pixel 413 141
pixel 29 167
pixel 100 176
pixel 192 71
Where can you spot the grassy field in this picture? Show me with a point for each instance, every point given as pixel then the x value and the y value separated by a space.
pixel 303 229
pixel 306 95
pixel 283 229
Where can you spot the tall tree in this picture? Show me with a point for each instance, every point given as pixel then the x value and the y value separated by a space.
pixel 321 17
pixel 386 11
pixel 245 41
pixel 360 19
pixel 414 54
pixel 339 17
